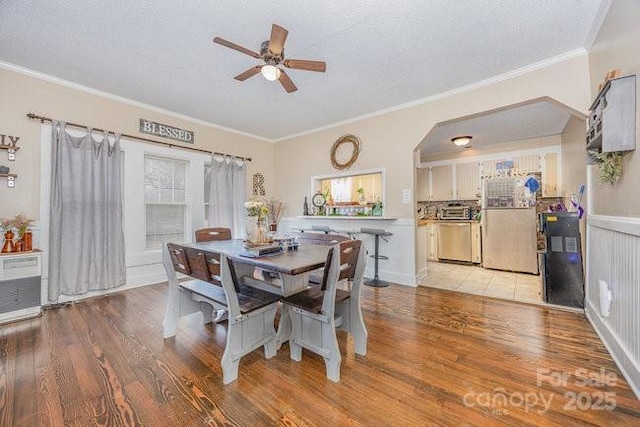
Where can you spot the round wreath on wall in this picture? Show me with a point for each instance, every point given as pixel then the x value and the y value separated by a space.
pixel 344 151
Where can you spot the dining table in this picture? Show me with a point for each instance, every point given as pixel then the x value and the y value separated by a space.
pixel 291 267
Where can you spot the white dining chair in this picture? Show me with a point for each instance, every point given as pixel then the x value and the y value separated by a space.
pixel 318 311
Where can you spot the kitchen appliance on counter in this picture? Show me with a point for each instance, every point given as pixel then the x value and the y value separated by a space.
pixel 509 239
pixel 562 278
pixel 455 212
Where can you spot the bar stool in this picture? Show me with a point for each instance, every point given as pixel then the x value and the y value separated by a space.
pixel 376 282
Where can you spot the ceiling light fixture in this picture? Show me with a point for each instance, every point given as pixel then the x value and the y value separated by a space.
pixel 270 72
pixel 461 141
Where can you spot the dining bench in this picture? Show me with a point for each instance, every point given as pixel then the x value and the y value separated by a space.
pixel 216 286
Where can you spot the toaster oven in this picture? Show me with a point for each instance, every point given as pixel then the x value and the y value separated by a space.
pixel 455 212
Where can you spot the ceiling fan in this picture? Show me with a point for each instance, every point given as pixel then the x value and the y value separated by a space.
pixel 272 53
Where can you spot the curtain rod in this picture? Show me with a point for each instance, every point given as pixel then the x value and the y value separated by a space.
pixel 43 119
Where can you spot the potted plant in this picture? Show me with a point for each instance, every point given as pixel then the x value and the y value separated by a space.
pixel 361 198
pixel 377 209
pixel 610 165
pixel 256 215
pixel 22 223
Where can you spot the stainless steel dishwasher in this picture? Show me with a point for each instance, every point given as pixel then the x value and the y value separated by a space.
pixel 454 241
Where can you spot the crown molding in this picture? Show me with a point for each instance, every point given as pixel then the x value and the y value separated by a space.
pixel 467 88
pixel 462 89
pixel 598 20
pixel 56 80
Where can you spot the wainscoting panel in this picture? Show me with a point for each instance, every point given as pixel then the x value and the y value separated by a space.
pixel 613 254
pixel 399 248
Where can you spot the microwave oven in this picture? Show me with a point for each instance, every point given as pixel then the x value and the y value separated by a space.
pixel 455 212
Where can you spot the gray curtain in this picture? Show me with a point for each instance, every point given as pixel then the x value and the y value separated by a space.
pixel 86 239
pixel 227 195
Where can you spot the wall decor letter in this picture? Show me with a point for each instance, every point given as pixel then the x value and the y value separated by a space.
pixel 258 184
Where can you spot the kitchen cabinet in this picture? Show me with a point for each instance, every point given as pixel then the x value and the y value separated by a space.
pixel 527 164
pixel 424 178
pixel 550 175
pixel 422 247
pixel 476 243
pixel 462 180
pixel 467 181
pixel 431 233
pixel 442 182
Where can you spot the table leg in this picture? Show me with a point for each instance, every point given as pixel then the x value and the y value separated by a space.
pixel 290 285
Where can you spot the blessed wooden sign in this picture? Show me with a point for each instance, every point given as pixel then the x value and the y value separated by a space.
pixel 166 131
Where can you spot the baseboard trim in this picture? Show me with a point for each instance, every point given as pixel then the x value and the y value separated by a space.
pixel 630 370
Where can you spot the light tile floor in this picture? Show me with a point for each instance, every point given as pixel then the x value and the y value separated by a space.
pixel 480 281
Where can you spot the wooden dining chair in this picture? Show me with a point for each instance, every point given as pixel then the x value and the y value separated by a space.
pixel 251 322
pixel 251 311
pixel 317 312
pixel 315 238
pixel 211 234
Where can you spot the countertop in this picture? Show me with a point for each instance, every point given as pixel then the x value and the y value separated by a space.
pixel 348 217
pixel 437 221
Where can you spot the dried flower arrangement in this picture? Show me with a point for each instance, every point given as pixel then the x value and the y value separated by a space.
pixel 22 223
pixel 276 208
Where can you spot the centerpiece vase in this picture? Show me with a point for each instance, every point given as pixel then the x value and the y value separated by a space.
pixel 8 242
pixel 256 230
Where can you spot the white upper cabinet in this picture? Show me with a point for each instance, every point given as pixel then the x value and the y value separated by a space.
pixel 527 164
pixel 424 181
pixel 442 182
pixel 467 181
pixel 550 175
pixel 459 179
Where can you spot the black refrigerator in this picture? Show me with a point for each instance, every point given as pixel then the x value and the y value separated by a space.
pixel 563 278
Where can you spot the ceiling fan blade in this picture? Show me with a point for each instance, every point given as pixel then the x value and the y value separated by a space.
pixel 286 82
pixel 301 64
pixel 278 37
pixel 234 46
pixel 249 73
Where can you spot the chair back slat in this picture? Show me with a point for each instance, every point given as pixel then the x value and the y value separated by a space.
pixel 325 272
pixel 234 275
pixel 349 251
pixel 198 265
pixel 213 265
pixel 313 238
pixel 179 258
pixel 203 265
pixel 212 234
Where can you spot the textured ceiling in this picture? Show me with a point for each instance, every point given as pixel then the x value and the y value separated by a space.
pixel 379 54
pixel 534 120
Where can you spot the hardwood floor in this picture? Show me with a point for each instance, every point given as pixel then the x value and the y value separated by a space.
pixel 434 357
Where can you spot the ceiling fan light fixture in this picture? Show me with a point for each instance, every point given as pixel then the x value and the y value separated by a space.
pixel 461 141
pixel 270 72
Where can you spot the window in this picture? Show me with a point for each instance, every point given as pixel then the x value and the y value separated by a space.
pixel 351 188
pixel 165 196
